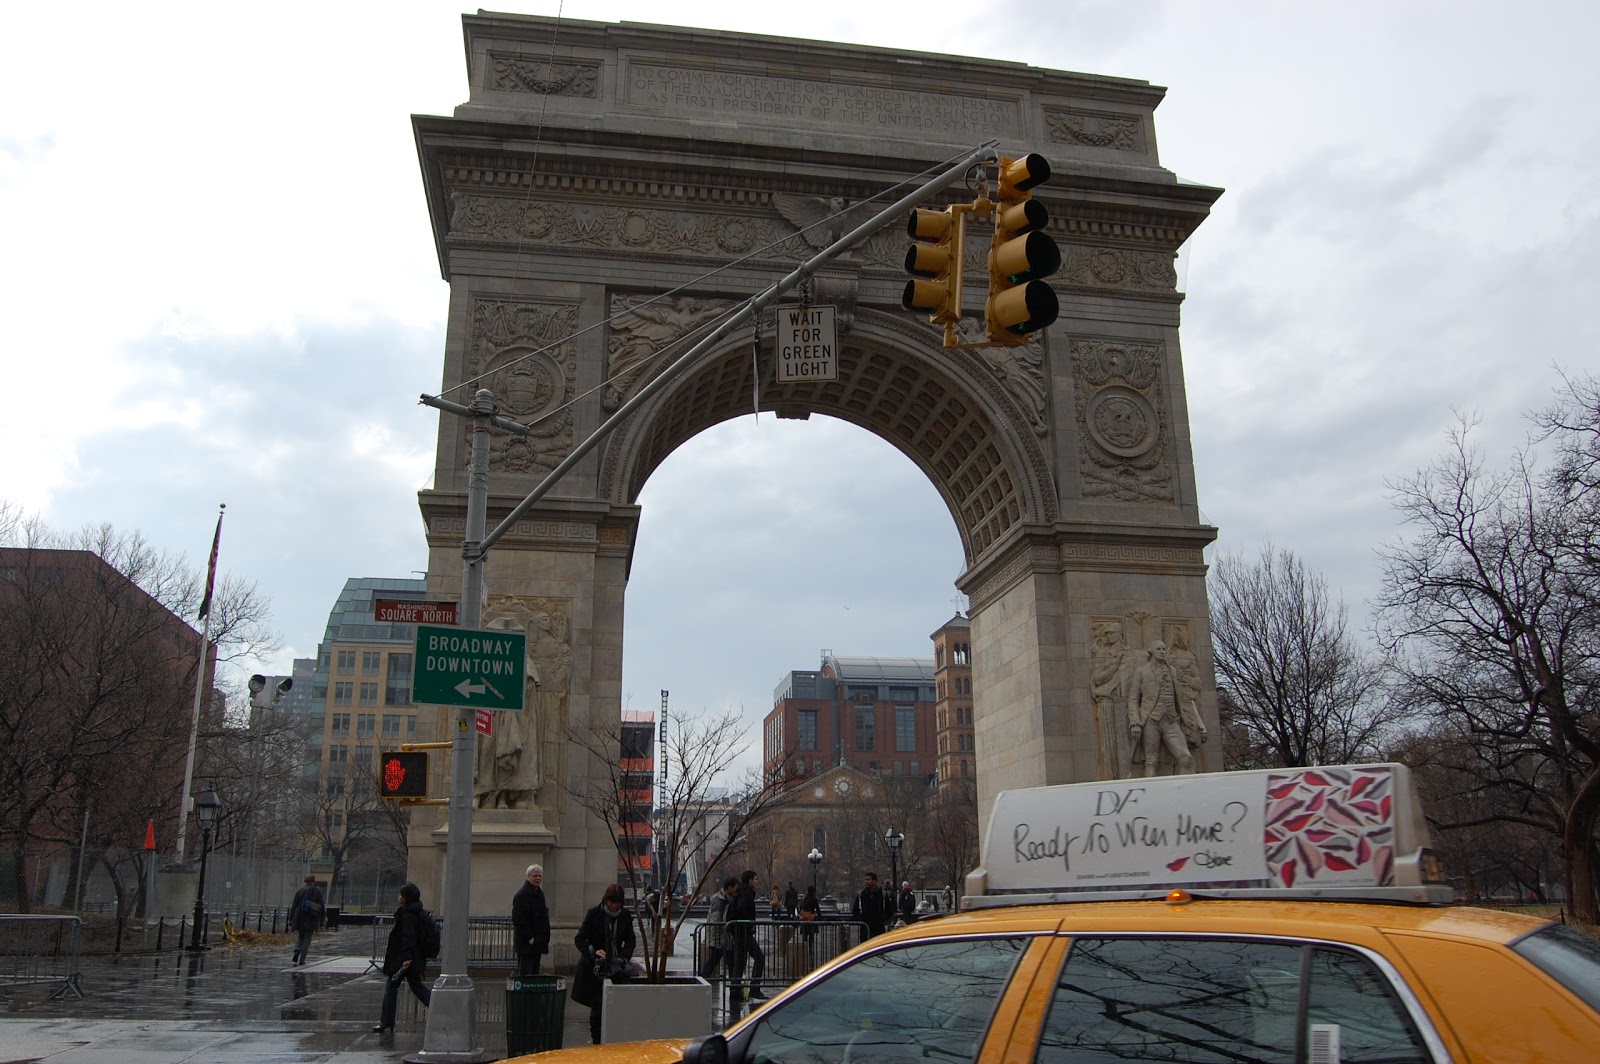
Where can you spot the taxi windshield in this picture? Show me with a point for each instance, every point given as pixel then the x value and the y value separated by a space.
pixel 1569 957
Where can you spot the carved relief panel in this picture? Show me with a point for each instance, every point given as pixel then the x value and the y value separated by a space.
pixel 641 326
pixel 522 353
pixel 1136 661
pixel 1122 421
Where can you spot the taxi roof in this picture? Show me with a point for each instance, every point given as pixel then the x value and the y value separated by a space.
pixel 1334 832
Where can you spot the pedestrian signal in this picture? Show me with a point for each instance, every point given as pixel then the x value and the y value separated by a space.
pixel 1019 302
pixel 403 775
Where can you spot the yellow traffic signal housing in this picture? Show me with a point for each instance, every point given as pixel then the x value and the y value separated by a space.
pixel 403 775
pixel 934 261
pixel 1021 253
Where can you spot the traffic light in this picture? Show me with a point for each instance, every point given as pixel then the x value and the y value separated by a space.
pixel 1019 303
pixel 403 775
pixel 934 261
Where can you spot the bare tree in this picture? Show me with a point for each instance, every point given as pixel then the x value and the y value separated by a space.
pixel 953 831
pixel 1492 598
pixel 1300 690
pixel 694 816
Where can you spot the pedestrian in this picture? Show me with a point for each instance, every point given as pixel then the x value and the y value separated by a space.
pixel 908 904
pixel 405 959
pixel 791 901
pixel 530 922
pixel 605 944
pixel 307 913
pixel 743 945
pixel 870 907
pixel 717 927
pixel 810 912
pixel 775 902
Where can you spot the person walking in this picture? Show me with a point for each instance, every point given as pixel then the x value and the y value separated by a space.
pixel 530 922
pixel 605 943
pixel 908 904
pixel 870 907
pixel 405 959
pixel 742 942
pixel 791 901
pixel 306 914
pixel 717 927
pixel 810 912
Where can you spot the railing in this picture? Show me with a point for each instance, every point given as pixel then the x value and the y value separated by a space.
pixel 790 950
pixel 41 949
pixel 490 941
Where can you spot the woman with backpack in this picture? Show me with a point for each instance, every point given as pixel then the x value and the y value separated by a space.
pixel 605 943
pixel 411 941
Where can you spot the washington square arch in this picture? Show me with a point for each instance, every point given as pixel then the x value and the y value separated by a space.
pixel 609 189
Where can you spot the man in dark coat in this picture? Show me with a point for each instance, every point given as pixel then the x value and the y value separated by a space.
pixel 742 944
pixel 530 922
pixel 606 936
pixel 306 914
pixel 405 959
pixel 870 907
pixel 908 904
pixel 791 901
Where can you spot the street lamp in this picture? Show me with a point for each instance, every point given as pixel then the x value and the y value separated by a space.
pixel 206 807
pixel 815 857
pixel 893 839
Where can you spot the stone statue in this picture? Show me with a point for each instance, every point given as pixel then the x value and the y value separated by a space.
pixel 1163 714
pixel 1113 664
pixel 508 765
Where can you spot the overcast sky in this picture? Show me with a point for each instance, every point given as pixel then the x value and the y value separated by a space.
pixel 218 283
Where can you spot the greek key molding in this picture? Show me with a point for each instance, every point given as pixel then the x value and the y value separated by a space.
pixel 1120 554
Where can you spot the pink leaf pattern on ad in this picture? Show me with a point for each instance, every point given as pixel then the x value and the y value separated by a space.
pixel 1330 826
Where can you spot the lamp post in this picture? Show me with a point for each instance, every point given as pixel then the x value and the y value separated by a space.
pixel 893 839
pixel 815 857
pixel 206 806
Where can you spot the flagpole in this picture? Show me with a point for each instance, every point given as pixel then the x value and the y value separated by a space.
pixel 199 685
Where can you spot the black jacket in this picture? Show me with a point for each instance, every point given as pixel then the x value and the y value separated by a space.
pixel 871 908
pixel 597 932
pixel 405 940
pixel 307 920
pixel 530 920
pixel 742 912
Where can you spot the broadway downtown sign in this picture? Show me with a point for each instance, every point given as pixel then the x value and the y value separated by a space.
pixel 476 669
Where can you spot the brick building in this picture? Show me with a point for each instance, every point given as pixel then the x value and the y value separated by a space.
pixel 874 715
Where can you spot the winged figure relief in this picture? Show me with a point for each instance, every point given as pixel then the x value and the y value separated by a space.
pixel 820 219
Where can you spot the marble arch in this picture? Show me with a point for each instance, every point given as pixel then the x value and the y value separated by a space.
pixel 606 187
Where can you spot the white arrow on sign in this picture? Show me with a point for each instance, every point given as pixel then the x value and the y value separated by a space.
pixel 467 688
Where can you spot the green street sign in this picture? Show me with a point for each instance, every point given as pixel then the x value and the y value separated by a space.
pixel 463 667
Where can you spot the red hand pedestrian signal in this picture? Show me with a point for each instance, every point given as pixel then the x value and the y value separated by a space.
pixel 403 775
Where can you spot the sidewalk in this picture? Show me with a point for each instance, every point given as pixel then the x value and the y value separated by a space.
pixel 234 1005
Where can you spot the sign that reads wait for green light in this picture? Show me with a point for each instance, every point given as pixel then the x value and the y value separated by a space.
pixel 463 667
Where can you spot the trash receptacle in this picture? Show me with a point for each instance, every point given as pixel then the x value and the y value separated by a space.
pixel 332 914
pixel 536 1009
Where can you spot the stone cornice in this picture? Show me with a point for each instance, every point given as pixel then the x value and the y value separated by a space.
pixel 1086 547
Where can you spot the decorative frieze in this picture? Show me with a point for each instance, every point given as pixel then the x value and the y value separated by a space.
pixel 1095 129
pixel 518 74
pixel 517 219
pixel 641 326
pixel 1120 268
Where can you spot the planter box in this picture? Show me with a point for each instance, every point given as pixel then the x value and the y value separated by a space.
pixel 678 1008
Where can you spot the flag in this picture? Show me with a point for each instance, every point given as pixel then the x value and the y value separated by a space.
pixel 211 568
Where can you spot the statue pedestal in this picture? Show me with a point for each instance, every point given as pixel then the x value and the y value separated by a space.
pixel 504 843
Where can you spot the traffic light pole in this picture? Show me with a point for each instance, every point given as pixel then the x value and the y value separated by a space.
pixel 451 1033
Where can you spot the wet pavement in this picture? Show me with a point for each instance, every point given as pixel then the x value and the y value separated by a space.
pixel 232 1005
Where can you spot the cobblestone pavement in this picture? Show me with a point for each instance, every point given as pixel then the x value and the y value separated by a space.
pixel 232 1005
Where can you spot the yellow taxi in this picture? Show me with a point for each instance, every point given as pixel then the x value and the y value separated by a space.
pixel 1290 915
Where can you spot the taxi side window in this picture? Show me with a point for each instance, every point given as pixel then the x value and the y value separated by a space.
pixel 1211 1001
pixel 929 1001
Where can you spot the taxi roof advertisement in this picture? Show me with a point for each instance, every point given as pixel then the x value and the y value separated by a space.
pixel 1281 828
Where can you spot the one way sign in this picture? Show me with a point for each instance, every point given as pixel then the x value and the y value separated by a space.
pixel 477 669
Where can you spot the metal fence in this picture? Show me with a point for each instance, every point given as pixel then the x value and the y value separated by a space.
pixel 490 941
pixel 790 950
pixel 41 949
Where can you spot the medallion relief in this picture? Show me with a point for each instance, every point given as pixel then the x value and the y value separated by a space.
pixel 1102 267
pixel 1121 421
pixel 522 352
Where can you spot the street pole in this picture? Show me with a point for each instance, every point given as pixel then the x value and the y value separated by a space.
pixel 451 1033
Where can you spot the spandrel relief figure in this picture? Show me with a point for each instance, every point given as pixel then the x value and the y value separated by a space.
pixel 508 766
pixel 1164 724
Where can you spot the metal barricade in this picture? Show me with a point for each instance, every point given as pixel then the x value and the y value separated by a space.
pixel 790 950
pixel 41 949
pixel 490 942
